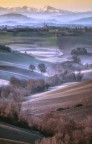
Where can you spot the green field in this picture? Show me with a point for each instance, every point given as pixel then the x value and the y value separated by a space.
pixel 39 38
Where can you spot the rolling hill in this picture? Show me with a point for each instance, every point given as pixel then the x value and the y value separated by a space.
pixel 17 64
pixel 14 17
pixel 74 101
pixel 83 21
pixel 13 135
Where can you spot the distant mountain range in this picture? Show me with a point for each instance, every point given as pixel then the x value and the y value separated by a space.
pixel 83 21
pixel 46 9
pixel 33 17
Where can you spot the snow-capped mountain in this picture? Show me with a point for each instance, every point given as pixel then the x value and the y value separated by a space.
pixel 46 9
pixel 23 9
pixel 28 16
pixel 49 9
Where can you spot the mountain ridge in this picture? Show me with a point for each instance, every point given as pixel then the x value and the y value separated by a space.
pixel 47 8
pixel 28 16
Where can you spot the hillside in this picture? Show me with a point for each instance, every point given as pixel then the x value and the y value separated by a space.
pixel 87 20
pixel 17 64
pixel 13 16
pixel 74 101
pixel 13 135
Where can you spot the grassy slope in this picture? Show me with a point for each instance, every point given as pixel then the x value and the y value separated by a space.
pixel 29 37
pixel 16 135
pixel 18 58
pixel 66 98
pixel 17 64
pixel 8 70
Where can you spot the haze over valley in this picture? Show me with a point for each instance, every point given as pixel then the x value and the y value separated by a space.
pixel 33 17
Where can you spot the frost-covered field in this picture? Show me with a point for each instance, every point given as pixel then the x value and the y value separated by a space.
pixel 3 82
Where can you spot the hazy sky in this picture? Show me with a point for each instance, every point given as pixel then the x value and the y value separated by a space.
pixel 75 5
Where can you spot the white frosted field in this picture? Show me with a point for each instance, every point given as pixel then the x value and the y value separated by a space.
pixel 3 82
pixel 54 55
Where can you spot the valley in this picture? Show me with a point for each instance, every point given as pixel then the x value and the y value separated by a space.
pixel 45 80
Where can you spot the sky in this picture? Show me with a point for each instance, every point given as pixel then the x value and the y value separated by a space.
pixel 74 5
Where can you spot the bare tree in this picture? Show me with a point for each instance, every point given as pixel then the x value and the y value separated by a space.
pixel 78 75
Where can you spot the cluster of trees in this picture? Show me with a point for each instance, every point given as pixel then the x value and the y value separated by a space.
pixel 10 107
pixel 41 67
pixel 4 48
pixel 28 86
pixel 65 77
pixel 12 96
pixel 65 130
pixel 79 51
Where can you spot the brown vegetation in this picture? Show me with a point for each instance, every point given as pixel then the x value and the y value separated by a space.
pixel 28 86
pixel 11 96
pixel 55 128
pixel 67 131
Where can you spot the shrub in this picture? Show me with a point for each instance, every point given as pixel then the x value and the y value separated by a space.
pixel 27 87
pixel 32 67
pixel 4 48
pixel 9 108
pixel 66 131
pixel 79 51
pixel 18 82
pixel 54 80
pixel 42 68
pixel 76 59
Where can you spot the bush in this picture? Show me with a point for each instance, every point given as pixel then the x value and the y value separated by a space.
pixel 18 82
pixel 4 48
pixel 66 131
pixel 42 68
pixel 76 59
pixel 79 51
pixel 28 87
pixel 9 108
pixel 32 67
pixel 54 80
